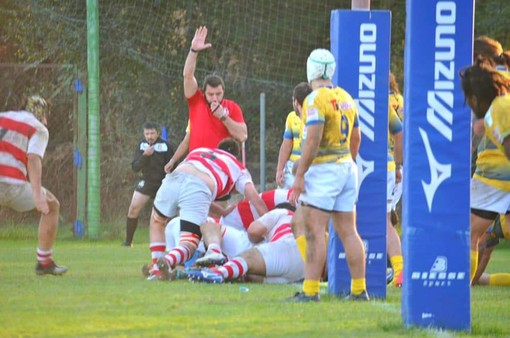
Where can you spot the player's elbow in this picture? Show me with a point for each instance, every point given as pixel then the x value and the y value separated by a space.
pixel 241 136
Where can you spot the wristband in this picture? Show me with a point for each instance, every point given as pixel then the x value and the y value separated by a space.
pixel 193 50
pixel 398 166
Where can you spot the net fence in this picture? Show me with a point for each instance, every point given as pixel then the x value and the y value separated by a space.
pixel 258 47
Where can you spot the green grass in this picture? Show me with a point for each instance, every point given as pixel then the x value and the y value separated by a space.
pixel 104 295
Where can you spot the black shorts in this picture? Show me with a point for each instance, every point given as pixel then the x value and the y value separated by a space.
pixel 148 188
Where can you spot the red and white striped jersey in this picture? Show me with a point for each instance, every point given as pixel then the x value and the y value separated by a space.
pixel 21 133
pixel 224 169
pixel 244 213
pixel 277 222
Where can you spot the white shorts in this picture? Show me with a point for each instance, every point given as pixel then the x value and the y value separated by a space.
pixel 283 261
pixel 331 186
pixel 288 178
pixel 234 241
pixel 390 183
pixel 488 198
pixel 397 192
pixel 17 196
pixel 184 195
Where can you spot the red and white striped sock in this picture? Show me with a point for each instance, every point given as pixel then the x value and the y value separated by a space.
pixel 182 253
pixel 213 247
pixel 44 257
pixel 234 268
pixel 157 251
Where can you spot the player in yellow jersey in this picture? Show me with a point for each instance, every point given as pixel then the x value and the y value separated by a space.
pixel 487 93
pixel 326 179
pixel 290 150
pixel 396 102
pixel 395 97
pixel 395 147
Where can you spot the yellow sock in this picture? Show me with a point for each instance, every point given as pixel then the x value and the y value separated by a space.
pixel 474 263
pixel 499 279
pixel 301 244
pixel 311 287
pixel 397 263
pixel 358 285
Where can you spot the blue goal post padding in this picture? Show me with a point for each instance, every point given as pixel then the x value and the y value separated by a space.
pixel 436 185
pixel 360 42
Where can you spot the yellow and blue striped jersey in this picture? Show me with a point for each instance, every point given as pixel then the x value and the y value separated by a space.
pixel 397 103
pixel 492 165
pixel 336 109
pixel 293 126
pixel 394 127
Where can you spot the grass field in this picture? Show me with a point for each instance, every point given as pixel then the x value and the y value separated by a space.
pixel 105 295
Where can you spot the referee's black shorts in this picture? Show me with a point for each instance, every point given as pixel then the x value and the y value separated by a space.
pixel 148 188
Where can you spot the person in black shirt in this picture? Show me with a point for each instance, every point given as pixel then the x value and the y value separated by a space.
pixel 151 155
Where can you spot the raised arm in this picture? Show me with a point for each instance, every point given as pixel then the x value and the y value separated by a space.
pixel 197 44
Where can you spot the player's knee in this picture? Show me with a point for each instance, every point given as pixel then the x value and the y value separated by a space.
pixel 53 202
pixel 157 217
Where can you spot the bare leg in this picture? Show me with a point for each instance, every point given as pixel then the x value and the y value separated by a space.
pixel 315 222
pixel 48 224
pixel 345 227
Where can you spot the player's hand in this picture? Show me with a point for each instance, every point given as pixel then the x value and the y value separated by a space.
pixel 41 204
pixel 198 42
pixel 279 178
pixel 297 188
pixel 169 166
pixel 149 151
pixel 217 109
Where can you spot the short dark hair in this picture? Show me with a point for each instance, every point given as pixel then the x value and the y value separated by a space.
pixel 230 145
pixel 151 125
pixel 213 81
pixel 285 205
pixel 483 81
pixel 301 91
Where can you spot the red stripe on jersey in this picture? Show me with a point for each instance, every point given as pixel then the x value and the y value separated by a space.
pixel 19 127
pixel 223 231
pixel 232 157
pixel 203 158
pixel 281 231
pixel 12 173
pixel 245 212
pixel 16 152
pixel 269 199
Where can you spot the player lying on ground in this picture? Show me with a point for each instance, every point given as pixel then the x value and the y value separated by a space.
pixel 275 258
pixel 204 176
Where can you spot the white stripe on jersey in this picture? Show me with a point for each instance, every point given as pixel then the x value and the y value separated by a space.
pixel 36 144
